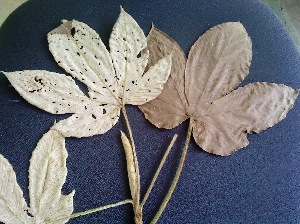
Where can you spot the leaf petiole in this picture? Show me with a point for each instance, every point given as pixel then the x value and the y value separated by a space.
pixel 89 211
pixel 159 169
pixel 138 215
pixel 177 175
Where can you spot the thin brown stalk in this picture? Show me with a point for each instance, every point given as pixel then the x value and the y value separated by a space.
pixel 177 175
pixel 136 200
pixel 89 211
pixel 158 170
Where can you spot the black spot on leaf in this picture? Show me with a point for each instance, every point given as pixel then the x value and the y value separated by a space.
pixel 139 54
pixel 73 31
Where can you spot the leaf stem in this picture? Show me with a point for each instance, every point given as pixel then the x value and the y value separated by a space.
pixel 136 200
pixel 177 175
pixel 90 211
pixel 158 170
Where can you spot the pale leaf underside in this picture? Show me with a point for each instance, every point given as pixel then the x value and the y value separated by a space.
pixel 113 78
pixel 58 94
pixel 12 204
pixel 218 61
pixel 47 174
pixel 116 77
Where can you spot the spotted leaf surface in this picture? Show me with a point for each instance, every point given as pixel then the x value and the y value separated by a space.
pixel 58 94
pixel 79 50
pixel 47 174
pixel 202 89
pixel 113 78
pixel 117 77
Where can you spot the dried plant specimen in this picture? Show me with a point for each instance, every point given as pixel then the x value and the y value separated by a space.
pixel 201 88
pixel 113 78
pixel 47 174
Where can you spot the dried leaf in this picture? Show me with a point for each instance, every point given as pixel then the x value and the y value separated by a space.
pixel 133 175
pixel 248 109
pixel 217 63
pixel 113 78
pixel 47 174
pixel 12 204
pixel 79 50
pixel 152 82
pixel 168 109
pixel 128 44
pixel 58 94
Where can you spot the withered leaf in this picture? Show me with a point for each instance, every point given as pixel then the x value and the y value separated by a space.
pixel 47 174
pixel 218 61
pixel 113 78
pixel 132 169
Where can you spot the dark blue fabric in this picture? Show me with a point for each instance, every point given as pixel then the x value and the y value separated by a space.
pixel 258 184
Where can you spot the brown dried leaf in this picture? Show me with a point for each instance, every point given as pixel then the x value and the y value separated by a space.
pixel 168 109
pixel 252 108
pixel 218 61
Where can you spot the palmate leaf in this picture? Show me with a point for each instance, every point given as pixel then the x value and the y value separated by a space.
pixel 47 174
pixel 58 94
pixel 218 61
pixel 12 203
pixel 113 78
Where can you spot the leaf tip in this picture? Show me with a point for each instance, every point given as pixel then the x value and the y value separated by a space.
pixel 72 193
pixel 64 21
pixel 152 27
pixel 122 11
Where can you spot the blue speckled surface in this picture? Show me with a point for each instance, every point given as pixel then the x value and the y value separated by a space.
pixel 258 184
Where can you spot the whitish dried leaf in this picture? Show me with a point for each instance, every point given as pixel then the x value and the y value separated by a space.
pixel 133 175
pixel 12 204
pixel 248 109
pixel 217 63
pixel 113 79
pixel 168 109
pixel 151 83
pixel 128 44
pixel 58 94
pixel 79 50
pixel 47 174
